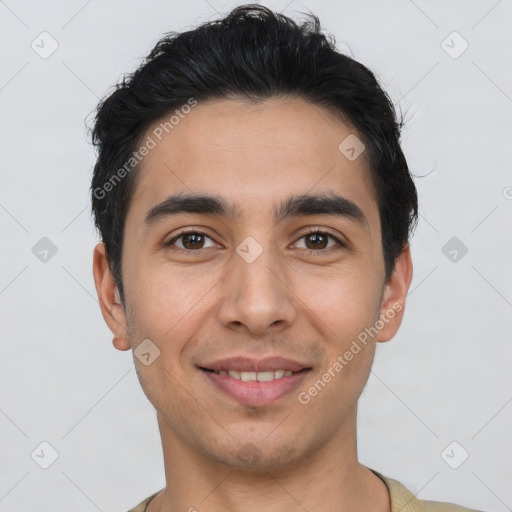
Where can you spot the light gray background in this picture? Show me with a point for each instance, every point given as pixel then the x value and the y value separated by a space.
pixel 446 375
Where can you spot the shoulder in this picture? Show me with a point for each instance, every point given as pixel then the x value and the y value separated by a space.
pixel 404 500
pixel 142 506
pixel 437 506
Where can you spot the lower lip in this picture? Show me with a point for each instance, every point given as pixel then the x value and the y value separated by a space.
pixel 257 393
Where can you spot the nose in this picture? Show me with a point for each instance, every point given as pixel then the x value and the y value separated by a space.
pixel 255 297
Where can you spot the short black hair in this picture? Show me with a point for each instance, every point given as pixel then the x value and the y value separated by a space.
pixel 251 54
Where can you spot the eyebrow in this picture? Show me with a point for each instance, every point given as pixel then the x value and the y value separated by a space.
pixel 293 206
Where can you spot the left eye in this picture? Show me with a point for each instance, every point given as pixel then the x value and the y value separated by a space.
pixel 319 240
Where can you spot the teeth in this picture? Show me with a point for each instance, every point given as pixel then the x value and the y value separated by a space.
pixel 257 376
pixel 265 376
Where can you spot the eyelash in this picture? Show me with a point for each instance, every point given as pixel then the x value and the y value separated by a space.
pixel 312 231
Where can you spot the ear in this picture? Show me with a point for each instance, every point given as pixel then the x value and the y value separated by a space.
pixel 109 299
pixel 394 296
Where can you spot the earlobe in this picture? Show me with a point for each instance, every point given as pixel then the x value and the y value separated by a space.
pixel 394 296
pixel 109 299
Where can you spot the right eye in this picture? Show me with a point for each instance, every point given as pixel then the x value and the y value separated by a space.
pixel 190 240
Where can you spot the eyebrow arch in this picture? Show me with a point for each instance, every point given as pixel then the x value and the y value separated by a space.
pixel 320 204
pixel 293 206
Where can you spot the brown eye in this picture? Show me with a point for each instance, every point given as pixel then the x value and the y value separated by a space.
pixel 320 240
pixel 191 241
pixel 316 241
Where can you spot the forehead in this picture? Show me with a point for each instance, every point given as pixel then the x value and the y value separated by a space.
pixel 253 154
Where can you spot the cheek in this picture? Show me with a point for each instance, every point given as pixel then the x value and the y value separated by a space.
pixel 167 298
pixel 165 307
pixel 343 303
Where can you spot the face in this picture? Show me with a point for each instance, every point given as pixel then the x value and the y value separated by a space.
pixel 281 258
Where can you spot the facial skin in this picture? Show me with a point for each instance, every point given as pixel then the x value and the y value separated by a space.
pixel 294 300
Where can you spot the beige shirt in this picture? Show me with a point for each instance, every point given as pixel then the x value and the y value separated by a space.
pixel 402 500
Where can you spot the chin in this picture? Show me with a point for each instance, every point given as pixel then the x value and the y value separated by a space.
pixel 254 456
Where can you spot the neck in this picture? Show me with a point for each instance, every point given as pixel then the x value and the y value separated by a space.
pixel 328 479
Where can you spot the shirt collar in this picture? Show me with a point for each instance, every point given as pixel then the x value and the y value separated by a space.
pixel 402 500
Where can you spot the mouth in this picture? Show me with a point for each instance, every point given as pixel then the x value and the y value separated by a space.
pixel 255 383
pixel 264 376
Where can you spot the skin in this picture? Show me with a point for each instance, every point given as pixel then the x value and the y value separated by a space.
pixel 209 303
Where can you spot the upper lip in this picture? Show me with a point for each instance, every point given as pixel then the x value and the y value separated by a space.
pixel 246 364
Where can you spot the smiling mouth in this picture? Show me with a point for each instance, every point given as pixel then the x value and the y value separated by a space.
pixel 263 376
pixel 256 389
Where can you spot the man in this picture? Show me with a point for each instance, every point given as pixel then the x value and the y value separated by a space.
pixel 255 209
